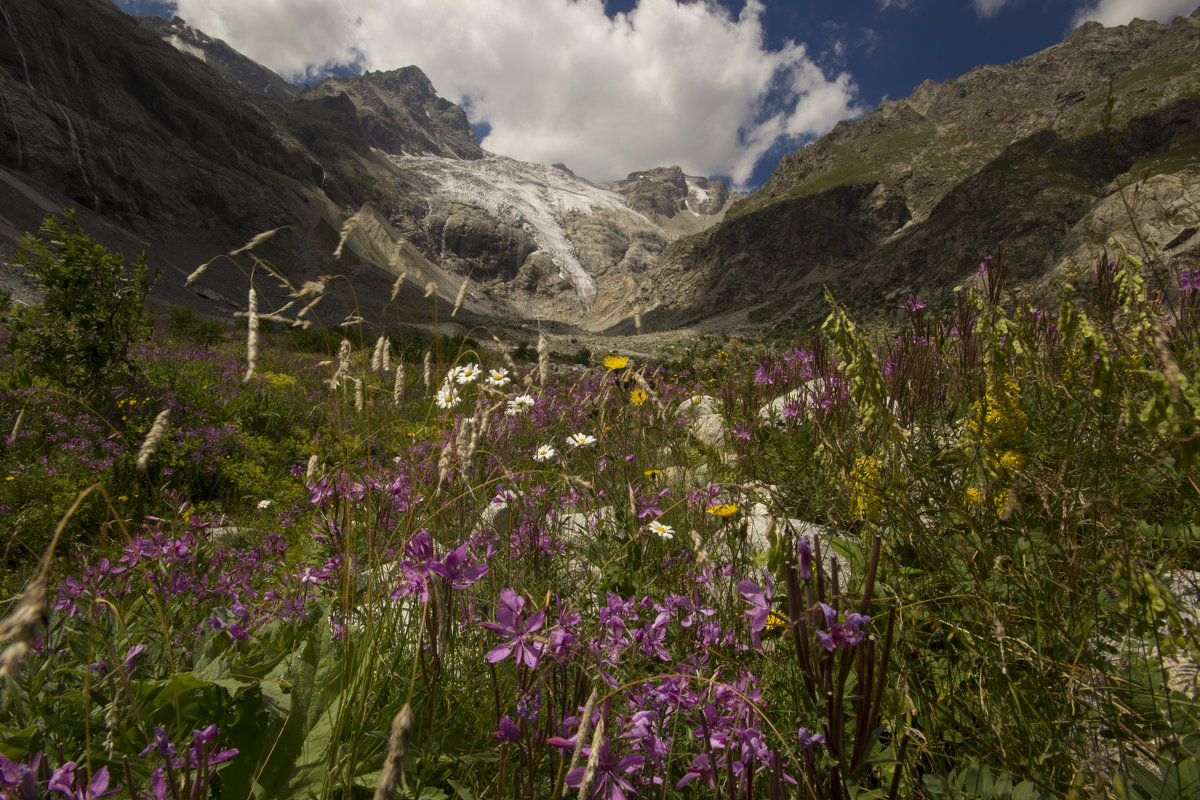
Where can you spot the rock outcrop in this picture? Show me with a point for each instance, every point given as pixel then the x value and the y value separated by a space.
pixel 1033 156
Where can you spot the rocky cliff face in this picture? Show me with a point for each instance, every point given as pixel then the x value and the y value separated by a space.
pixel 666 196
pixel 909 198
pixel 166 139
pixel 400 112
pixel 229 63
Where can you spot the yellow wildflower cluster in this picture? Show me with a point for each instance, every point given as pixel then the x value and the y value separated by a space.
pixel 997 426
pixel 998 422
pixel 637 397
pixel 866 483
pixel 278 380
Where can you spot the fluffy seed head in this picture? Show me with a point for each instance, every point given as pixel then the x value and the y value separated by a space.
pixel 251 335
pixel 462 294
pixel 16 428
pixel 543 350
pixel 398 386
pixel 393 762
pixel 398 285
pixel 153 439
pixel 256 241
pixel 348 228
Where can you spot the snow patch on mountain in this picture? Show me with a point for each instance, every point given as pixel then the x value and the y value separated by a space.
pixel 185 47
pixel 534 197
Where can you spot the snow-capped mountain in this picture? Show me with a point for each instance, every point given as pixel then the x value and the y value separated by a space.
pixel 192 149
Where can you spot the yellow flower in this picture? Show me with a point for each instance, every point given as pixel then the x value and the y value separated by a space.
pixel 866 482
pixel 1003 504
pixel 974 497
pixel 1012 461
pixel 722 509
pixel 651 473
pixel 9 478
pixel 776 623
pixel 615 362
pixel 637 397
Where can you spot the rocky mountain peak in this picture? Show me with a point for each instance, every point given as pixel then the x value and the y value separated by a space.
pixel 670 198
pixel 401 113
pixel 229 63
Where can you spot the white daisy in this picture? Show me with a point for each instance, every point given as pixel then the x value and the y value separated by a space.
pixel 580 439
pixel 467 374
pixel 519 404
pixel 664 531
pixel 498 378
pixel 447 397
pixel 544 453
pixel 264 504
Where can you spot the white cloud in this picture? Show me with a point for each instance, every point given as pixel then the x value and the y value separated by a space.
pixel 989 8
pixel 667 83
pixel 1121 12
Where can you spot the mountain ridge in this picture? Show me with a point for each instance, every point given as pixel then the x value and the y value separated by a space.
pixel 151 132
pixel 1019 155
pixel 166 138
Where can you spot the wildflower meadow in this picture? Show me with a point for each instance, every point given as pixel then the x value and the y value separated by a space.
pixel 951 553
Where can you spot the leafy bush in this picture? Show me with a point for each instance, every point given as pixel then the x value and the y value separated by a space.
pixel 185 323
pixel 92 312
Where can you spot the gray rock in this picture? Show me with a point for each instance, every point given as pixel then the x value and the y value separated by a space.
pixel 705 420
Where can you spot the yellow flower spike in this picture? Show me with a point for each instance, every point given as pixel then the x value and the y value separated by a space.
pixel 866 481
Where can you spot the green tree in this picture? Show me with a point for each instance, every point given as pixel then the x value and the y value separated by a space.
pixel 93 311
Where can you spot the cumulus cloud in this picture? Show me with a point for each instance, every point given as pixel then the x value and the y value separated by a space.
pixel 669 82
pixel 1121 12
pixel 989 8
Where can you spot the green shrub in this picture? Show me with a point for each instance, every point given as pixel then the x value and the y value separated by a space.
pixel 186 324
pixel 92 312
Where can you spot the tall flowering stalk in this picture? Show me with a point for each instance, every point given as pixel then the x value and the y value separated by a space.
pixel 543 351
pixel 826 648
pixel 251 335
pixel 398 386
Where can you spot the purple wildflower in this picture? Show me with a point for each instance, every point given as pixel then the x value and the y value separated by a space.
pixel 806 555
pixel 608 781
pixel 511 622
pixel 20 779
pixel 508 732
pixel 760 598
pixel 841 635
pixel 456 567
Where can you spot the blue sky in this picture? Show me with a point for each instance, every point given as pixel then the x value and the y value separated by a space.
pixel 721 87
